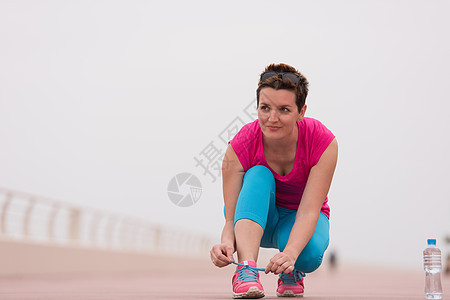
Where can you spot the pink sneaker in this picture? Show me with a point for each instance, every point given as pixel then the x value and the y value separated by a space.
pixel 290 284
pixel 246 281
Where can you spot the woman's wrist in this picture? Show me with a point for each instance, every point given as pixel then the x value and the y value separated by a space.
pixel 291 253
pixel 228 234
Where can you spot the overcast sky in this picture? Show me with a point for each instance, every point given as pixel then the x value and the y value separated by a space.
pixel 102 103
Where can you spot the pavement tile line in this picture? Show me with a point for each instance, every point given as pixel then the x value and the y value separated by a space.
pixel 213 283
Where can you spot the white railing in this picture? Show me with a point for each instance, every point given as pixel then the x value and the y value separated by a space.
pixel 25 217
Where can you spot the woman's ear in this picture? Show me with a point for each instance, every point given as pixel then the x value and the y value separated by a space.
pixel 302 113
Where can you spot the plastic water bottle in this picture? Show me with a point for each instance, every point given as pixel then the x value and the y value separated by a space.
pixel 432 266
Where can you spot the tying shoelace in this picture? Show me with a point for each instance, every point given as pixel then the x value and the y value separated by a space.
pixel 248 273
pixel 292 278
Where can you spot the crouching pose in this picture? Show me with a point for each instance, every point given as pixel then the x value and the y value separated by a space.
pixel 276 175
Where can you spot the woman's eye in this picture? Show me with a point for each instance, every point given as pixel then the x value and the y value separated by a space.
pixel 264 108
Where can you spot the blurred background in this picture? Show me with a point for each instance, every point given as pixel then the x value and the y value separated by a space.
pixel 124 108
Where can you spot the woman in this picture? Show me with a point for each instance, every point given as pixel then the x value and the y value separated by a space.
pixel 276 175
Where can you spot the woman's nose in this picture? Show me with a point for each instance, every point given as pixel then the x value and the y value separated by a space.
pixel 273 116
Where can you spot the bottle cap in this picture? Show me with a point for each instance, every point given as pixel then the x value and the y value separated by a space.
pixel 431 242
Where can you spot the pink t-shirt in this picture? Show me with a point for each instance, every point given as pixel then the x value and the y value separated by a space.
pixel 313 139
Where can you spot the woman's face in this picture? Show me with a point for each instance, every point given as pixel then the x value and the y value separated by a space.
pixel 278 113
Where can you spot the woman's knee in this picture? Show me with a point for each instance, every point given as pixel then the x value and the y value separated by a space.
pixel 256 195
pixel 258 185
pixel 308 264
pixel 312 256
pixel 259 173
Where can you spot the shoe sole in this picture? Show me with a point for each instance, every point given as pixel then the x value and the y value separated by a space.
pixel 289 293
pixel 252 293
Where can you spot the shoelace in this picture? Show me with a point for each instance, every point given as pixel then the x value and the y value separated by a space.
pixel 248 273
pixel 291 278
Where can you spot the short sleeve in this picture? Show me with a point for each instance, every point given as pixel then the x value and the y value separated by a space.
pixel 320 137
pixel 243 144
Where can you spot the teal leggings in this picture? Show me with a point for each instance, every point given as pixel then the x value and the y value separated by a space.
pixel 257 202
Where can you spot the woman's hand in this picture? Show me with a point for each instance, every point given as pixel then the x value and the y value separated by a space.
pixel 222 254
pixel 281 263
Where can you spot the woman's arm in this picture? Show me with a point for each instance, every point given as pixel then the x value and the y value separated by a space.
pixel 316 190
pixel 232 175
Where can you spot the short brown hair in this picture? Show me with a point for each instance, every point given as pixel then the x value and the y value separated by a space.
pixel 300 89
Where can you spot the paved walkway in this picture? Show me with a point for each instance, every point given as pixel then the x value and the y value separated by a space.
pixel 207 282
